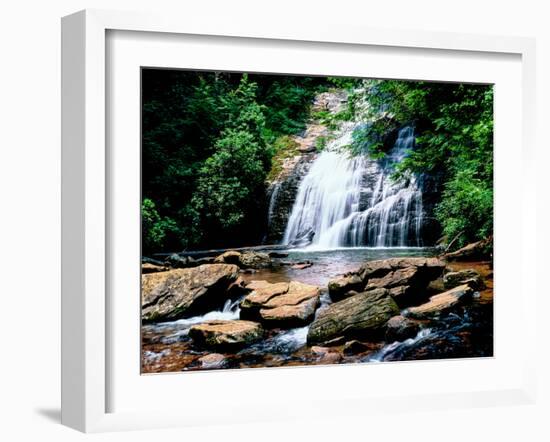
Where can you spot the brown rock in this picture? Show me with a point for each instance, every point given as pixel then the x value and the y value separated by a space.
pixel 212 361
pixel 360 316
pixel 466 276
pixel 442 303
pixel 282 304
pixel 182 293
pixel 153 268
pixel 226 334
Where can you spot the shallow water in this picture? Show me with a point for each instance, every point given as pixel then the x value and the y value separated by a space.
pixel 328 264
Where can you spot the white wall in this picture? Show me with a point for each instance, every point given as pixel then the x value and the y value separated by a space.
pixel 30 221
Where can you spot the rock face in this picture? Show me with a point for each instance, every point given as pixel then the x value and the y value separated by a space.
pixel 405 278
pixel 467 276
pixel 180 293
pixel 225 334
pixel 361 316
pixel 246 260
pixel 282 194
pixel 400 328
pixel 442 303
pixel 280 305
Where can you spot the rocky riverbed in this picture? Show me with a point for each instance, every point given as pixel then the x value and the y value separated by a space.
pixel 286 308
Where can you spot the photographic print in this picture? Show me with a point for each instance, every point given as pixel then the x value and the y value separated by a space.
pixel 304 220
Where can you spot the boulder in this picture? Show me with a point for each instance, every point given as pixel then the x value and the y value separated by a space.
pixel 255 260
pixel 430 268
pixel 339 287
pixel 245 260
pixel 282 304
pixel 400 328
pixel 441 303
pixel 180 293
pixel 406 278
pixel 360 316
pixel 222 334
pixel 213 361
pixel 467 276
pixel 229 257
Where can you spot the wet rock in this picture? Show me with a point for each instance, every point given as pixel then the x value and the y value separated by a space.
pixel 441 303
pixel 360 316
pixel 282 305
pixel 177 261
pixel 354 347
pixel 339 287
pixel 153 268
pixel 330 358
pixel 181 293
pixel 400 328
pixel 439 345
pixel 147 260
pixel 468 276
pixel 213 361
pixel 223 334
pixel 277 255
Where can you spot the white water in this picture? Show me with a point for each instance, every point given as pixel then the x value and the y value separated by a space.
pixel 350 201
pixel 180 328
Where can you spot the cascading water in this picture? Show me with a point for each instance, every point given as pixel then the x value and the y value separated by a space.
pixel 347 201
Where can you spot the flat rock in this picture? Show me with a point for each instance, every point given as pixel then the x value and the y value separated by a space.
pixel 359 316
pixel 282 304
pixel 222 334
pixel 181 293
pixel 441 303
pixel 147 267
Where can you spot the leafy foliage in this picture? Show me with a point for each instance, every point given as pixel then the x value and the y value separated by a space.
pixel 208 141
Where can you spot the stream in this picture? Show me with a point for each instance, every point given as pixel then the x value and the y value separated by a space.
pixel 167 346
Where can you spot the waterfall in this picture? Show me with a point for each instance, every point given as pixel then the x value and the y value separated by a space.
pixel 351 201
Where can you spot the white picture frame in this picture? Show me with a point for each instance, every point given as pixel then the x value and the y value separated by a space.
pixel 87 206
